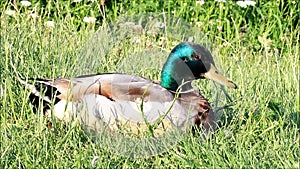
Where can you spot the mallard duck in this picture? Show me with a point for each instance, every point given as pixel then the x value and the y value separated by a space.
pixel 122 100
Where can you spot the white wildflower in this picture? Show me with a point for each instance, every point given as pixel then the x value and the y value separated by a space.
pixel 89 19
pixel 227 132
pixel 220 28
pixel 241 4
pixel 250 3
pixel 25 3
pixel 10 12
pixel 201 2
pixel 77 0
pixel 199 24
pixel 34 16
pixel 220 0
pixel 137 40
pixel 245 3
pixel 50 24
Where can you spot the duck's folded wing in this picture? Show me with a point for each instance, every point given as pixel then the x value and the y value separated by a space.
pixel 119 86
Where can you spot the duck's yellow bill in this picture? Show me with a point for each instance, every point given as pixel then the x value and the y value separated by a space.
pixel 214 75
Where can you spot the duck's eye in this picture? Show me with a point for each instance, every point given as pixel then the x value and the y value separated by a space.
pixel 195 56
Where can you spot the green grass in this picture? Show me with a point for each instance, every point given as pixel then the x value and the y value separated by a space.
pixel 258 48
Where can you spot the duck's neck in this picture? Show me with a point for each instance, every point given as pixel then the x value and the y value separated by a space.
pixel 176 73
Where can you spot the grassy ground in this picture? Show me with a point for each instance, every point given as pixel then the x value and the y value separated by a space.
pixel 257 47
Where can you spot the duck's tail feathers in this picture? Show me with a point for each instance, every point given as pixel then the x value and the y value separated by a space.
pixel 43 92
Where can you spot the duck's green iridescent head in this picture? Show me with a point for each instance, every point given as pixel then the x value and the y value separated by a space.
pixel 189 61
